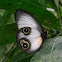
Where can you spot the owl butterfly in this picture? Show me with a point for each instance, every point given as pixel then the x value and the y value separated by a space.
pixel 30 35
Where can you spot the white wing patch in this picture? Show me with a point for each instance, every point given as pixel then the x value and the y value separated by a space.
pixel 26 21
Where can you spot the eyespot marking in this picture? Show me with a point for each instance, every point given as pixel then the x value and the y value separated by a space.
pixel 26 30
pixel 24 44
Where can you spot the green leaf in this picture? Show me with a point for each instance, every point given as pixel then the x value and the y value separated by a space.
pixel 46 17
pixel 4 18
pixel 1 53
pixel 27 59
pixel 61 10
pixel 11 19
pixel 56 2
pixel 43 16
pixel 41 3
pixel 51 51
pixel 12 53
pixel 21 57
pixel 17 56
pixel 8 34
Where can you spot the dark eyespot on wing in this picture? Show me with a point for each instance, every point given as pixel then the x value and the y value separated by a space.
pixel 23 44
pixel 26 30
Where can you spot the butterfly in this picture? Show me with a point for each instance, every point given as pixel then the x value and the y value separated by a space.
pixel 30 35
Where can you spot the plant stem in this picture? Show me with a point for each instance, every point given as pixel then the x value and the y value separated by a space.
pixel 6 55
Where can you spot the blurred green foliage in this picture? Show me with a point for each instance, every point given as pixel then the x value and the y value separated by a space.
pixel 8 28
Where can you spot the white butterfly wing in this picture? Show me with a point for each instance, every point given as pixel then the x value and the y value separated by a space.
pixel 24 19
